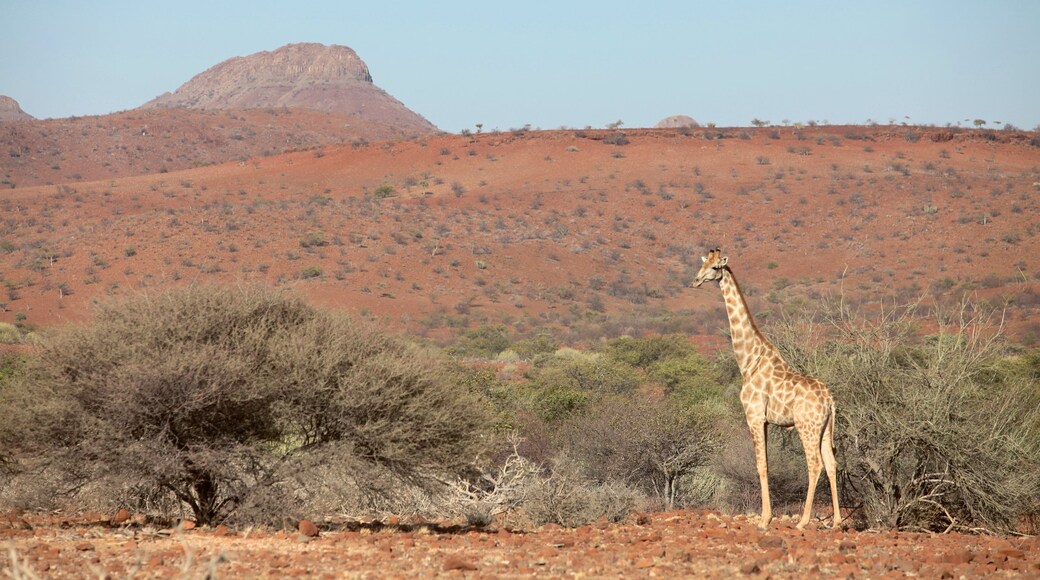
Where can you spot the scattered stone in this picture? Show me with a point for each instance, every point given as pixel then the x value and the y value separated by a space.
pixel 750 568
pixel 84 547
pixel 122 516
pixel 307 528
pixel 769 542
pixel 644 563
pixel 652 537
pixel 221 530
pixel 187 525
pixel 846 546
pixel 958 556
pixel 774 555
pixel 1012 553
pixel 455 562
pixel 94 518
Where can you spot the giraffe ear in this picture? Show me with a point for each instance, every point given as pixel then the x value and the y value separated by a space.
pixel 722 261
pixel 703 259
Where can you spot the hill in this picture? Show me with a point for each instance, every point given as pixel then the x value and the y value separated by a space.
pixel 79 149
pixel 296 97
pixel 564 229
pixel 10 110
pixel 297 76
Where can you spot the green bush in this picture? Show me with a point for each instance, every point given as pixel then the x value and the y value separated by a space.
pixel 9 334
pixel 562 383
pixel 206 394
pixel 644 352
pixel 384 191
pixel 692 378
pixel 484 342
pixel 529 348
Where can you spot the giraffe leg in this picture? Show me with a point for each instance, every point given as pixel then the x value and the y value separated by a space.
pixel 759 437
pixel 811 436
pixel 832 467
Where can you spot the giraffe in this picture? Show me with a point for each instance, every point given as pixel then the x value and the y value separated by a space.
pixel 774 393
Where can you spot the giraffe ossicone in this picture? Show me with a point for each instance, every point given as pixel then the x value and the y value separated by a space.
pixel 774 393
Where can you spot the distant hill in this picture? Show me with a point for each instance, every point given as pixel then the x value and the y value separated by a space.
pixel 11 111
pixel 676 122
pixel 296 76
pixel 135 142
pixel 297 97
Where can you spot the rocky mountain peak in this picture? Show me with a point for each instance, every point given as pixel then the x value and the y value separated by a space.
pixel 11 111
pixel 329 78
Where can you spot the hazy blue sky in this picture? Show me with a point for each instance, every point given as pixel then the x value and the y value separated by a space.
pixel 552 64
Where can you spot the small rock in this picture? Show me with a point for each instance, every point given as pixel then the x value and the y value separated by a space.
pixel 455 562
pixel 652 537
pixel 221 530
pixel 768 542
pixel 1012 553
pixel 846 546
pixel 750 568
pixel 774 555
pixel 187 525
pixel 122 516
pixel 958 556
pixel 644 563
pixel 307 528
pixel 84 547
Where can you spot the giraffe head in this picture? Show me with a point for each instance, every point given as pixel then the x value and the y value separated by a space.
pixel 712 268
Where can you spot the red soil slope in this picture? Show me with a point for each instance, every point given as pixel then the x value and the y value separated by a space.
pixel 556 228
pixel 79 149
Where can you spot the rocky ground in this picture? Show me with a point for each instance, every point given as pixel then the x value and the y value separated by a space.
pixel 673 544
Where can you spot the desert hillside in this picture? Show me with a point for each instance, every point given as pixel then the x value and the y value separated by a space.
pixel 79 149
pixel 590 232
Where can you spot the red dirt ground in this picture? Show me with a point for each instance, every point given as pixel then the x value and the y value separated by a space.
pixel 671 545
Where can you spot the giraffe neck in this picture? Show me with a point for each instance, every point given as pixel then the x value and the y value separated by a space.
pixel 748 342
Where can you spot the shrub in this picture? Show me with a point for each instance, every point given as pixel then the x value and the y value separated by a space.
pixel 10 367
pixel 385 190
pixel 9 334
pixel 589 373
pixel 207 394
pixel 934 434
pixel 543 343
pixel 616 138
pixel 644 352
pixel 315 239
pixel 570 499
pixel 484 342
pixel 641 441
pixel 309 273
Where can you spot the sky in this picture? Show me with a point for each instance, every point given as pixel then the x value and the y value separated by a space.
pixel 560 63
